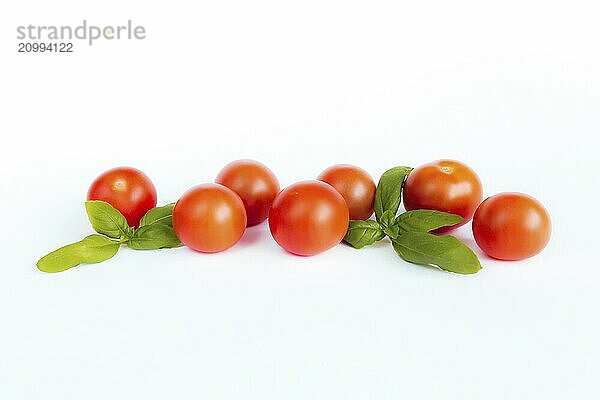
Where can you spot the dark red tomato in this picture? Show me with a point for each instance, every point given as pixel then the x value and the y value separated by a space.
pixel 511 226
pixel 308 217
pixel 256 185
pixel 128 190
pixel 209 218
pixel 356 187
pixel 444 185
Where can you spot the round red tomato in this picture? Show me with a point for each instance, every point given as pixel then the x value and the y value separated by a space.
pixel 444 185
pixel 209 218
pixel 511 226
pixel 128 190
pixel 256 185
pixel 356 187
pixel 308 217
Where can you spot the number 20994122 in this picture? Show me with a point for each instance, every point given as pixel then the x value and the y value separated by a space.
pixel 45 47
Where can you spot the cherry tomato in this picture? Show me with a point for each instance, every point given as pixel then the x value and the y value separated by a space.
pixel 511 226
pixel 444 185
pixel 209 218
pixel 356 187
pixel 256 185
pixel 308 217
pixel 128 190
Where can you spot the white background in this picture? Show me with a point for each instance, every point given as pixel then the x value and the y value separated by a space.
pixel 512 88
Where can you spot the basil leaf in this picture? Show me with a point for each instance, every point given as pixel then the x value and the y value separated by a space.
pixel 107 220
pixel 388 218
pixel 93 249
pixel 445 252
pixel 392 231
pixel 389 190
pixel 363 233
pixel 426 220
pixel 388 223
pixel 159 215
pixel 155 236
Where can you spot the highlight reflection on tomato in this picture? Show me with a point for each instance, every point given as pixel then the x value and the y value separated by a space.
pixel 308 217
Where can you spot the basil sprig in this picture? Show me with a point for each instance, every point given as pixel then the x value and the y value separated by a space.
pixel 409 231
pixel 155 232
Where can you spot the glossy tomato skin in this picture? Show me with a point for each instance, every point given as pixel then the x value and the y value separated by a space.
pixel 209 218
pixel 256 185
pixel 444 185
pixel 308 218
pixel 356 187
pixel 511 226
pixel 128 190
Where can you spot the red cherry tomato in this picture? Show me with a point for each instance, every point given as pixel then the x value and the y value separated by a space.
pixel 511 226
pixel 444 185
pixel 209 218
pixel 128 190
pixel 308 217
pixel 256 185
pixel 356 187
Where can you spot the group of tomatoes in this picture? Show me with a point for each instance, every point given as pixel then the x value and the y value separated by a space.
pixel 312 216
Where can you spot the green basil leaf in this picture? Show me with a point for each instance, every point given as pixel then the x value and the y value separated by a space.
pixel 389 190
pixel 426 220
pixel 155 236
pixel 107 220
pixel 392 231
pixel 388 218
pixel 93 249
pixel 363 233
pixel 388 223
pixel 445 252
pixel 159 215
